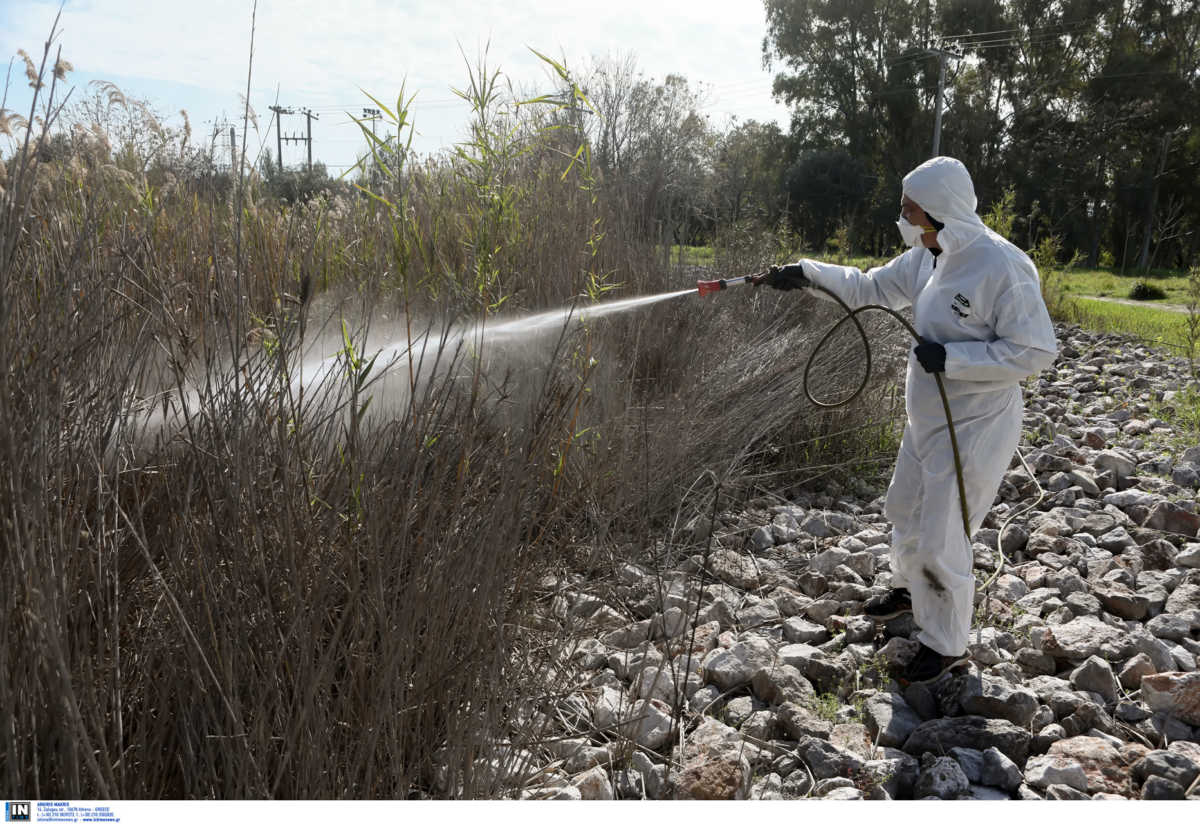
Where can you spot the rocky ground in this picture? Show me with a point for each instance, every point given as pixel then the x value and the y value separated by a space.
pixel 1083 678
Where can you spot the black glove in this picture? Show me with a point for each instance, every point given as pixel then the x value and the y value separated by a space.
pixel 932 356
pixel 786 277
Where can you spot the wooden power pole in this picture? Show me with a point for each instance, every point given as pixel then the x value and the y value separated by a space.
pixel 942 54
pixel 309 114
pixel 279 138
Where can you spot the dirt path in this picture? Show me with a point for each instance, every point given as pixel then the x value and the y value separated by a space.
pixel 1166 307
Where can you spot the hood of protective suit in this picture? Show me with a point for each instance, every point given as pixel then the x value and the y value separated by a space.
pixel 942 187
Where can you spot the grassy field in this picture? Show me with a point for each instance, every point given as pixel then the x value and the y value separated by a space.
pixel 1109 284
pixel 693 255
pixel 1155 326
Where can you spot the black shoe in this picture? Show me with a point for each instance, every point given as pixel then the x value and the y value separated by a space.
pixel 929 665
pixel 887 606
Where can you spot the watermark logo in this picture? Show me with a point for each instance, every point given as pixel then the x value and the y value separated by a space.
pixel 17 810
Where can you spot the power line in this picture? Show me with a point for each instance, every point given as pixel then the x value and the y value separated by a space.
pixel 1074 24
pixel 1016 44
pixel 980 46
pixel 1009 41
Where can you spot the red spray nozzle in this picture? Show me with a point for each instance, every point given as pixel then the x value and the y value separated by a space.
pixel 706 287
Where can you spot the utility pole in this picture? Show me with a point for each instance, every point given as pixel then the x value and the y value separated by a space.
pixel 374 115
pixel 942 54
pixel 233 164
pixel 218 128
pixel 279 138
pixel 309 114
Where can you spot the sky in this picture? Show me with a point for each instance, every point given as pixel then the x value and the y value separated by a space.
pixel 327 55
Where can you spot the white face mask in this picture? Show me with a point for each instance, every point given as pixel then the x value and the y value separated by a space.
pixel 911 234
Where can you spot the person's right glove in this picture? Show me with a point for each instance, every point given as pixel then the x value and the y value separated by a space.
pixel 931 355
pixel 786 277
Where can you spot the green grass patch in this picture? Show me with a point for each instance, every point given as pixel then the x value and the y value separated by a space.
pixel 1104 283
pixel 1183 412
pixel 692 255
pixel 1155 326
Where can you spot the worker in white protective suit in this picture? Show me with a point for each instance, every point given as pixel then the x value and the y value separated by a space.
pixel 977 304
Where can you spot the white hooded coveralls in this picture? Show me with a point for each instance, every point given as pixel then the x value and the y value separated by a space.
pixel 982 300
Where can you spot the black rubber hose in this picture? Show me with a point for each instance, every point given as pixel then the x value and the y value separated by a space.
pixel 852 316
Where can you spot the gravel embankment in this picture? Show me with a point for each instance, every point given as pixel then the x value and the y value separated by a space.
pixel 1083 681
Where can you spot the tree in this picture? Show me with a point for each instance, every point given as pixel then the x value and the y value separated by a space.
pixel 652 145
pixel 748 165
pixel 1086 108
pixel 859 82
pixel 827 188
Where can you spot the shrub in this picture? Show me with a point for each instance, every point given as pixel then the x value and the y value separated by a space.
pixel 1003 213
pixel 1192 327
pixel 1053 276
pixel 1146 291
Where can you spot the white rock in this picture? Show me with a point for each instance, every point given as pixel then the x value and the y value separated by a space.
pixel 768 788
pixel 764 612
pixel 1043 770
pixel 1189 556
pixel 1121 464
pixel 653 720
pixel 784 528
pixel 654 682
pixel 798 630
pixel 826 562
pixel 843 794
pixel 736 666
pixel 1131 497
pixel 670 624
pixel 1010 588
pixel 611 707
pixel 1085 479
pixel 628 637
pixel 762 539
pixel 594 785
pixel 1177 693
pixel 798 655
pixel 873 537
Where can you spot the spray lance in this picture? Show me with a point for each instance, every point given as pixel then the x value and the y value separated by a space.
pixel 707 287
pixel 778 277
